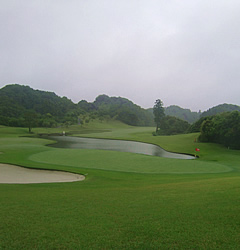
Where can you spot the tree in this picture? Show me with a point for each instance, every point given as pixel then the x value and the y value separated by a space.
pixel 30 119
pixel 171 125
pixel 207 131
pixel 223 128
pixel 158 112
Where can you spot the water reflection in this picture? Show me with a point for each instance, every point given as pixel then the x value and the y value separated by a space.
pixel 115 145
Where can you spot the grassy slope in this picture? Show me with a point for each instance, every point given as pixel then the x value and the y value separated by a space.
pixel 121 209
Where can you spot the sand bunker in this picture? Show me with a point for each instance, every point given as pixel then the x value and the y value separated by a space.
pixel 17 175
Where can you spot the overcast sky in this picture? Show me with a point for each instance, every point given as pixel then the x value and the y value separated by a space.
pixel 184 52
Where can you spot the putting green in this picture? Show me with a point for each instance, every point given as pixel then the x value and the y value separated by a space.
pixel 125 162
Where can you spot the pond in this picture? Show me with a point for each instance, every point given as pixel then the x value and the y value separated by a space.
pixel 115 145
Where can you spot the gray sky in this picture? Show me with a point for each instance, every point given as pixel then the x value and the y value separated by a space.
pixel 184 52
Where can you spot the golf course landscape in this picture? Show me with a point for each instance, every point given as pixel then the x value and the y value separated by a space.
pixel 119 125
pixel 127 200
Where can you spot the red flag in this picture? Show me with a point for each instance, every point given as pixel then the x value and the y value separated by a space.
pixel 197 149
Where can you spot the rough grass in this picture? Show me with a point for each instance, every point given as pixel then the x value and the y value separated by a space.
pixel 120 206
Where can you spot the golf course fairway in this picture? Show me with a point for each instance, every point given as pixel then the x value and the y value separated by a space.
pixel 127 201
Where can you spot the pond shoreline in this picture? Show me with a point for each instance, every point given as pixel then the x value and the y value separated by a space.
pixel 144 146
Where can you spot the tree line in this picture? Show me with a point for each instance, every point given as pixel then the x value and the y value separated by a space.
pixel 222 128
pixel 166 124
pixel 22 106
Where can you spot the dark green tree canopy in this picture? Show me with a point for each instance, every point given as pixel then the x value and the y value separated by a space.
pixel 220 109
pixel 50 110
pixel 123 110
pixel 222 128
pixel 183 114
pixel 172 125
pixel 158 112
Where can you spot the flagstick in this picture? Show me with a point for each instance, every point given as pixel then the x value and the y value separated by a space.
pixel 196 150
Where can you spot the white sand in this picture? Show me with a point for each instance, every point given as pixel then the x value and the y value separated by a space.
pixel 14 174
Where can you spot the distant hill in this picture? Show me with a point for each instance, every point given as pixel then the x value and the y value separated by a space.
pixel 17 100
pixel 220 109
pixel 21 105
pixel 180 113
pixel 121 109
pixel 184 114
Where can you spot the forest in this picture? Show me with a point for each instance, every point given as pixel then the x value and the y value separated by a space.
pixel 223 128
pixel 22 106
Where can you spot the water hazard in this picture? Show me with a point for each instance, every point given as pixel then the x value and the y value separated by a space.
pixel 115 145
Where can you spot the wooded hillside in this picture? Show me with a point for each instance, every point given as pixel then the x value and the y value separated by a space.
pixel 223 128
pixel 220 109
pixel 180 113
pixel 183 114
pixel 123 110
pixel 21 105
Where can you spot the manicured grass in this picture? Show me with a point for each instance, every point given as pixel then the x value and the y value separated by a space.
pixel 126 162
pixel 127 201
